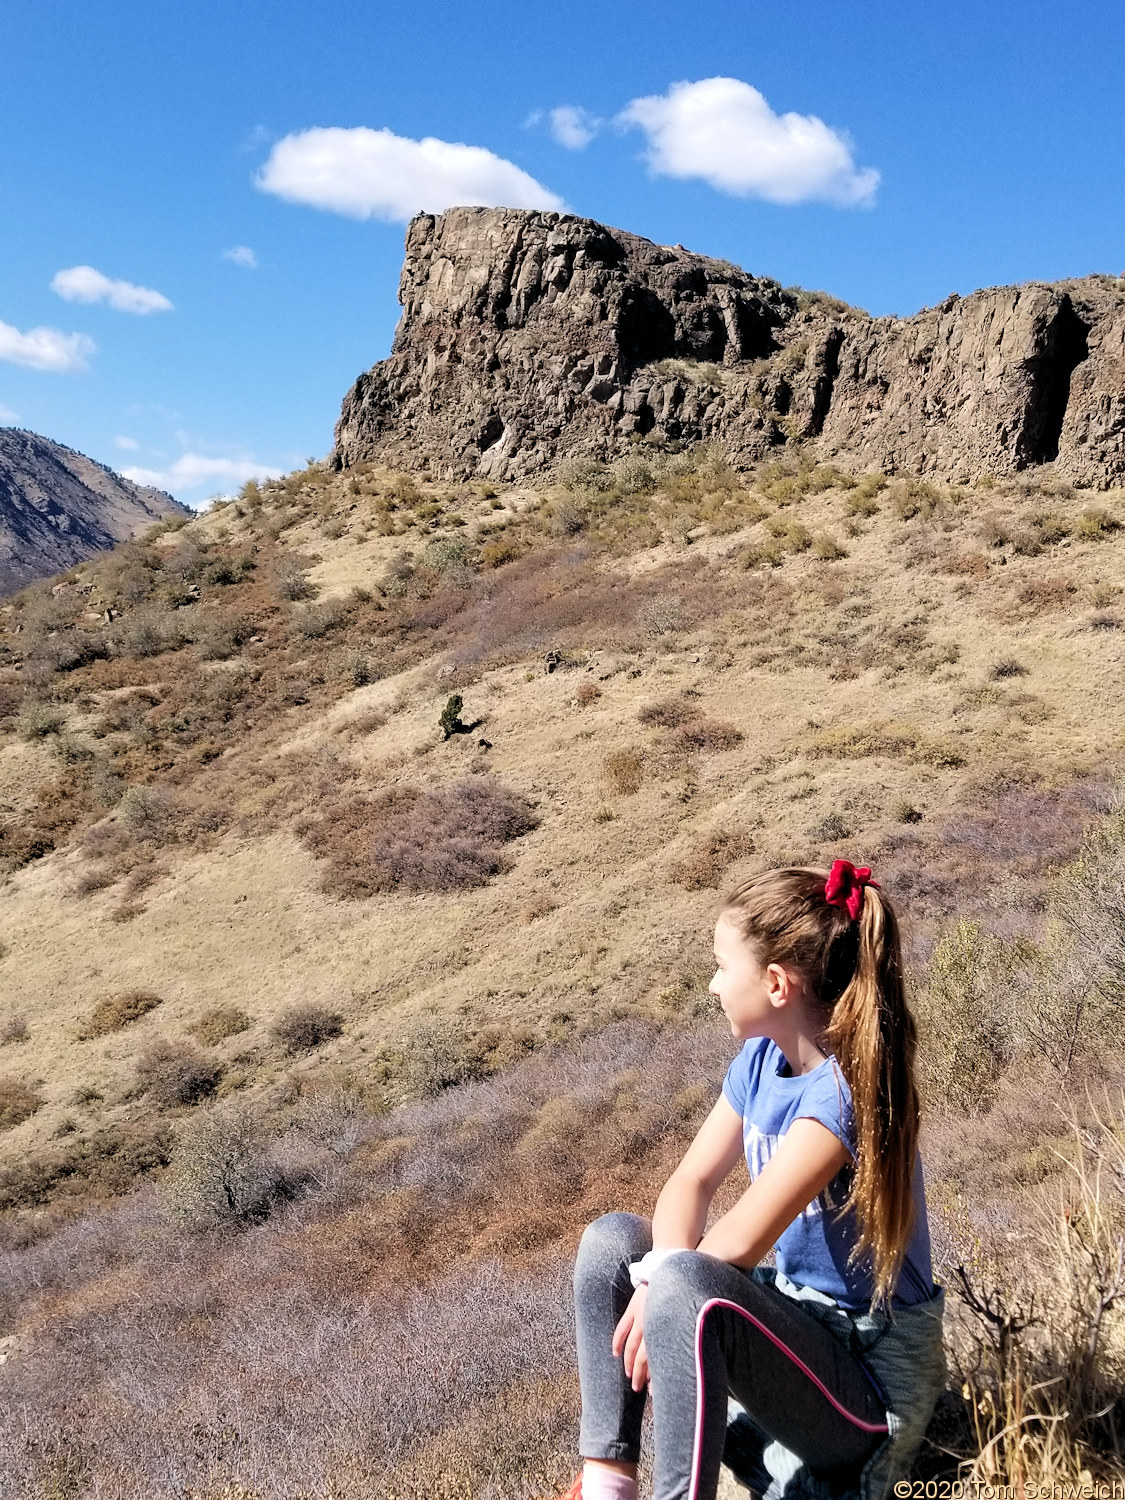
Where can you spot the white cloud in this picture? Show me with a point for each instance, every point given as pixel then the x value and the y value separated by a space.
pixel 7 414
pixel 194 471
pixel 84 284
pixel 129 444
pixel 723 131
pixel 241 255
pixel 572 126
pixel 46 349
pixel 369 174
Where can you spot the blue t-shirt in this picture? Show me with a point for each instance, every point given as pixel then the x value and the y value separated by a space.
pixel 814 1249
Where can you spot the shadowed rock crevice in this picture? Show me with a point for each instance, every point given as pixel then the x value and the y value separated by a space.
pixel 1066 346
pixel 530 337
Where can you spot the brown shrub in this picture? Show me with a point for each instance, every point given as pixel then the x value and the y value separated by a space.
pixel 290 582
pixel 624 770
pixel 174 1073
pixel 856 741
pixel 538 906
pixel 588 692
pixel 117 1011
pixel 107 1162
pixel 410 839
pixel 306 1025
pixel 1008 666
pixel 969 565
pixel 669 713
pixel 14 1031
pixel 703 867
pixel 496 554
pixel 706 735
pixel 18 1100
pixel 218 1023
pixel 311 621
pixel 1047 593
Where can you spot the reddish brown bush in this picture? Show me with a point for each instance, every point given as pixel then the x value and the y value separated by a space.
pixel 969 564
pixel 107 1162
pixel 1047 593
pixel 624 770
pixel 414 839
pixel 669 713
pixel 703 868
pixel 18 1100
pixel 707 735
pixel 116 1011
pixel 538 906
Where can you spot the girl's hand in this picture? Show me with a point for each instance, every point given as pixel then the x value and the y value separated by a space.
pixel 629 1340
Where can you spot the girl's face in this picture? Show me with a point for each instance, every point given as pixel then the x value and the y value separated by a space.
pixel 748 993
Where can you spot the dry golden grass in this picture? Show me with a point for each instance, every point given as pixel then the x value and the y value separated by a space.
pixel 848 691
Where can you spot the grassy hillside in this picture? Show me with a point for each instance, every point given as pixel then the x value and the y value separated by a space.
pixel 259 908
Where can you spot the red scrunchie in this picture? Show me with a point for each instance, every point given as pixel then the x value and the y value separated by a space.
pixel 844 886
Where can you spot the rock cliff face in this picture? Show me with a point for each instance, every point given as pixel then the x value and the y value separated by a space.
pixel 57 507
pixel 531 337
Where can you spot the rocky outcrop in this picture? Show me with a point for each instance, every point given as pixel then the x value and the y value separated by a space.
pixel 57 507
pixel 529 337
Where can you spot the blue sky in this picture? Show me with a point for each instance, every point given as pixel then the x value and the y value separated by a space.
pixel 958 146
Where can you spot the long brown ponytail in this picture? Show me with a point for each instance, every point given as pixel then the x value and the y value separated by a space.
pixel 853 970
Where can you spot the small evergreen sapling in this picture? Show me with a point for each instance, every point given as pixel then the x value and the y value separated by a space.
pixel 450 721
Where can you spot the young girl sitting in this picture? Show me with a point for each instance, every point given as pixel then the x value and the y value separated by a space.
pixel 834 1357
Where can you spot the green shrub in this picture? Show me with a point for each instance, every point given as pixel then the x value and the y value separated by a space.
pixel 964 1044
pixel 826 548
pixel 450 720
pixel 37 720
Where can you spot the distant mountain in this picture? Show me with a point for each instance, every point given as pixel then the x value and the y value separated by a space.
pixel 57 507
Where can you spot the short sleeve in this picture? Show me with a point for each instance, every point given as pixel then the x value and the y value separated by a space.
pixel 829 1101
pixel 737 1082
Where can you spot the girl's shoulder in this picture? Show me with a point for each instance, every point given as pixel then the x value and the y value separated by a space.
pixel 745 1072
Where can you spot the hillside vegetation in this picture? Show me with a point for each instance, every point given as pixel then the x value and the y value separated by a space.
pixel 377 997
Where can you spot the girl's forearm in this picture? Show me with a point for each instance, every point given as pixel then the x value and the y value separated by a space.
pixel 732 1240
pixel 680 1215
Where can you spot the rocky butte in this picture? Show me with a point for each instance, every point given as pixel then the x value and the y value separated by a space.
pixel 57 507
pixel 528 337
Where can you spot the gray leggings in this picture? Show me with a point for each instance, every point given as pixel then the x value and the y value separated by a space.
pixel 711 1329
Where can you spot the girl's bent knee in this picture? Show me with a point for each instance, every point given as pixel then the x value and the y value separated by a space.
pixel 611 1239
pixel 679 1285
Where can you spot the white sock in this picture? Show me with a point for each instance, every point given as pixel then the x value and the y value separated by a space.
pixel 600 1483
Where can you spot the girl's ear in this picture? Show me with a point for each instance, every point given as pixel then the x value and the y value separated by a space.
pixel 779 984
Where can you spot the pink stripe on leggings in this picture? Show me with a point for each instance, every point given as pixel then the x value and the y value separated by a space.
pixel 697 1448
